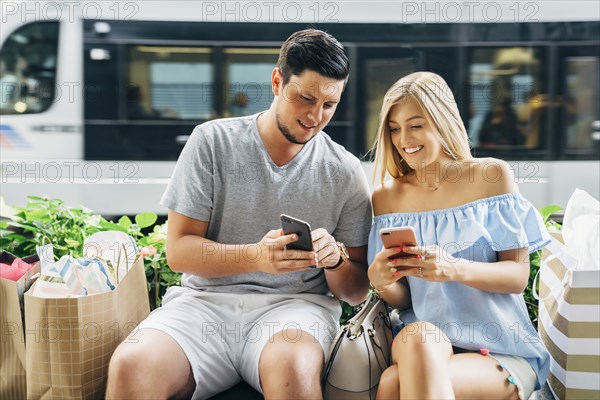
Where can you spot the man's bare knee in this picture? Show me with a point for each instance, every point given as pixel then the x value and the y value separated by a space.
pixel 137 369
pixel 129 362
pixel 294 350
pixel 294 360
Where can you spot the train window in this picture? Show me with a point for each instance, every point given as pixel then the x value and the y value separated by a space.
pixel 28 69
pixel 582 102
pixel 170 83
pixel 508 98
pixel 247 88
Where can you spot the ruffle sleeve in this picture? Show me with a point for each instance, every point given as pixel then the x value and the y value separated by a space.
pixel 514 223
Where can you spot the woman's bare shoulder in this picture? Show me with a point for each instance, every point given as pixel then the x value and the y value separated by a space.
pixel 492 176
pixel 385 196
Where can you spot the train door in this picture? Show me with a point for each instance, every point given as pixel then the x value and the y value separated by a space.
pixel 379 68
pixel 579 90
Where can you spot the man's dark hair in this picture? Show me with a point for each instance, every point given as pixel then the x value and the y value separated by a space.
pixel 314 50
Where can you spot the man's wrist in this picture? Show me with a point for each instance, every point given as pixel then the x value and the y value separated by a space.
pixel 344 258
pixel 336 266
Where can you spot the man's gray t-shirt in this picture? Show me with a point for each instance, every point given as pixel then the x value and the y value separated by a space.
pixel 225 176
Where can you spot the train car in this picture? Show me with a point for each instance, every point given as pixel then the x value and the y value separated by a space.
pixel 98 98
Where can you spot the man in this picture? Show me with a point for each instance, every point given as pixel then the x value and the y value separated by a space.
pixel 248 308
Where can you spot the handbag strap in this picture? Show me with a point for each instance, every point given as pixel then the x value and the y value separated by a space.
pixel 346 330
pixel 370 366
pixel 332 353
pixel 360 316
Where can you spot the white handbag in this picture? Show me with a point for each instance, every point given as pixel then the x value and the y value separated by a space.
pixel 360 353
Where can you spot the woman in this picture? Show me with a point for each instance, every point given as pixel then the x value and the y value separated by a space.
pixel 468 334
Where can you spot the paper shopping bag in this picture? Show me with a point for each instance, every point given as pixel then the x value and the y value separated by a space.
pixel 12 340
pixel 569 324
pixel 70 340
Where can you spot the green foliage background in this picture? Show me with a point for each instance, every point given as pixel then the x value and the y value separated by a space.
pixel 534 262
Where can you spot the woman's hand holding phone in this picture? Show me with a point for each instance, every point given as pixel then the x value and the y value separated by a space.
pixel 380 273
pixel 432 263
pixel 388 266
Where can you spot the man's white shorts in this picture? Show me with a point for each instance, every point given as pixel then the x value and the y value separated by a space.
pixel 223 334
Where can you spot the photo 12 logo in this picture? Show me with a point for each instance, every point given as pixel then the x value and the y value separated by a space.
pixel 469 11
pixel 270 11
pixel 28 11
pixel 69 172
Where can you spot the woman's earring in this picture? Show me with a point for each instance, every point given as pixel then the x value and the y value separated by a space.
pixel 445 150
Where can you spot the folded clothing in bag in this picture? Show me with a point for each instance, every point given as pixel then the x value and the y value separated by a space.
pixel 71 277
pixel 118 249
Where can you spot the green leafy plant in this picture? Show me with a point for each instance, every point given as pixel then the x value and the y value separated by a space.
pixel 348 312
pixel 43 221
pixel 535 259
pixel 160 276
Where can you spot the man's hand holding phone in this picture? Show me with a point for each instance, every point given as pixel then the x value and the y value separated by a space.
pixel 328 253
pixel 274 258
pixel 318 241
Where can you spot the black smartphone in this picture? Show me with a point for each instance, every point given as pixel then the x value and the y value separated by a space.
pixel 302 229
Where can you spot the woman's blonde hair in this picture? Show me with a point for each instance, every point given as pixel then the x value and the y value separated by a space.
pixel 433 95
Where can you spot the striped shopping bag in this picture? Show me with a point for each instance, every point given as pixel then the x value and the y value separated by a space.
pixel 569 324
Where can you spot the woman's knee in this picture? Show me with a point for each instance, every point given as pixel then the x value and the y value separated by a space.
pixel 419 338
pixel 390 375
pixel 389 384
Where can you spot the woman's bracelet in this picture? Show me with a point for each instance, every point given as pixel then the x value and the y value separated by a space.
pixel 375 289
